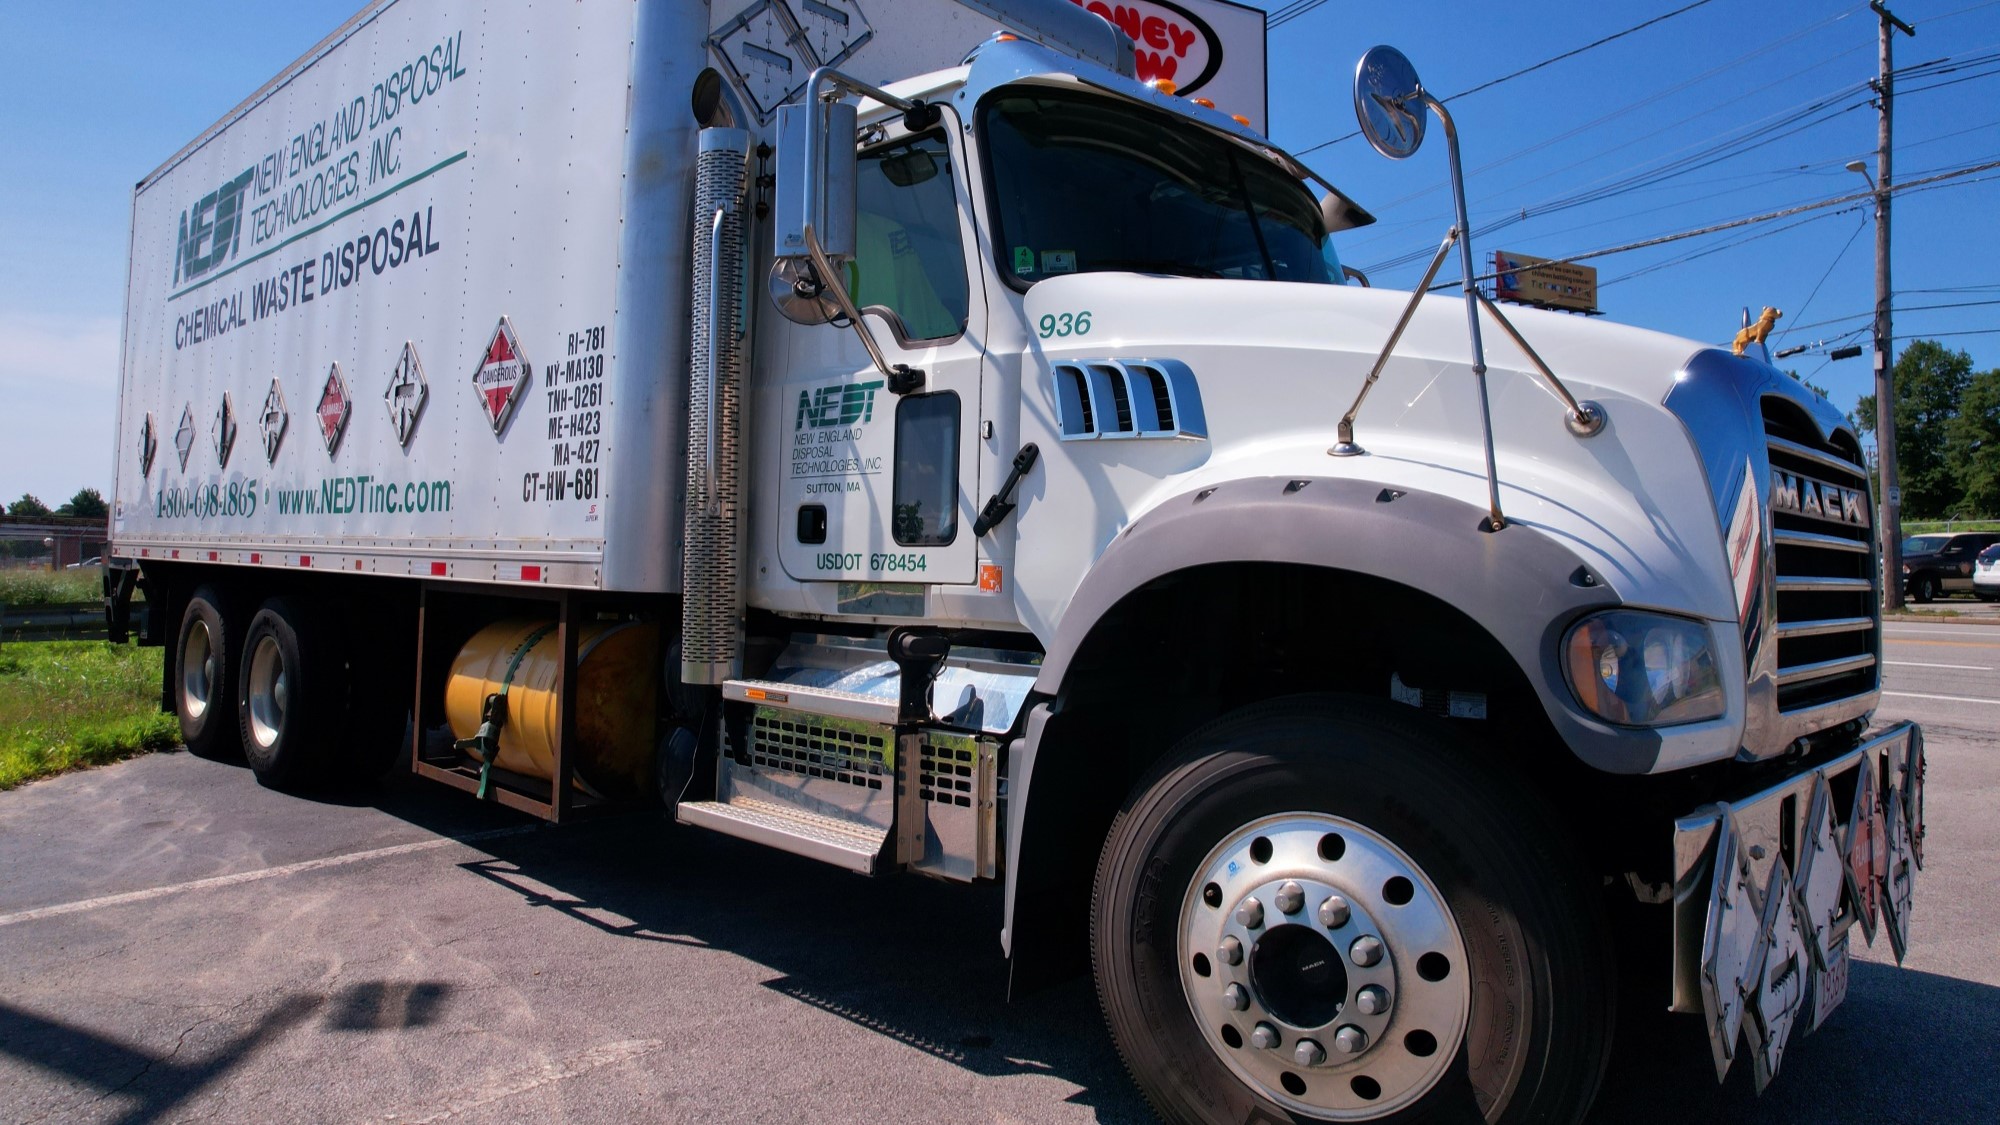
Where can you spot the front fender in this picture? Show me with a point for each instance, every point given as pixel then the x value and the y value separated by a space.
pixel 1520 585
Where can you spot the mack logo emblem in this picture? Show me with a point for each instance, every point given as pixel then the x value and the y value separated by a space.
pixel 837 406
pixel 1804 496
pixel 333 410
pixel 407 393
pixel 501 376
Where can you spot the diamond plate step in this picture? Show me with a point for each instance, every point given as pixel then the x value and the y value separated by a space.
pixel 838 842
pixel 815 700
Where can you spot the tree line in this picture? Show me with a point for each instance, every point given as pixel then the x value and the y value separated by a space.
pixel 1947 434
pixel 88 503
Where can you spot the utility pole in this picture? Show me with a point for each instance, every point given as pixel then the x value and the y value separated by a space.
pixel 1889 519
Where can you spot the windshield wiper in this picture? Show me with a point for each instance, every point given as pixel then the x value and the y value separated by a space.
pixel 1153 265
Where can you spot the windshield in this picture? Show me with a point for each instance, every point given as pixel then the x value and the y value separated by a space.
pixel 1084 184
pixel 1925 544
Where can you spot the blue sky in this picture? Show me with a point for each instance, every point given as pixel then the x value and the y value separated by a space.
pixel 97 94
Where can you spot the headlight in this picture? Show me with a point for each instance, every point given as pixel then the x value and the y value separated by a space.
pixel 1643 669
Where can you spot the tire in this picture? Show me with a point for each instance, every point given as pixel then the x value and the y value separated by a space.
pixel 204 683
pixel 1485 891
pixel 291 695
pixel 1924 589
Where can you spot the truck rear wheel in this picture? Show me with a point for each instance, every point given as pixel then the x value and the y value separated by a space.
pixel 290 694
pixel 205 676
pixel 1319 910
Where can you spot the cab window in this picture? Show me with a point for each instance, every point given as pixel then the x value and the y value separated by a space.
pixel 908 259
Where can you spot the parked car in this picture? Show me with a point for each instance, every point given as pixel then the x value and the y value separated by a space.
pixel 94 560
pixel 1986 574
pixel 1941 563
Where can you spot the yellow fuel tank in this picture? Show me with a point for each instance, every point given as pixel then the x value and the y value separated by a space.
pixel 617 692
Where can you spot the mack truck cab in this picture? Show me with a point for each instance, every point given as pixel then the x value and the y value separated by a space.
pixel 1367 758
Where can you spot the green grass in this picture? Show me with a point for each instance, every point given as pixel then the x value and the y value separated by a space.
pixel 73 704
pixel 23 589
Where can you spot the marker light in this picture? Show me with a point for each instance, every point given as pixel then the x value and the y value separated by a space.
pixel 1643 669
pixel 1204 103
pixel 1240 120
pixel 1163 85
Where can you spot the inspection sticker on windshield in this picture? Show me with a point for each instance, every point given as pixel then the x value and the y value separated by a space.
pixel 1058 261
pixel 1024 260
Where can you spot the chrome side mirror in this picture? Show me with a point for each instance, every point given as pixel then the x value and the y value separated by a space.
pixel 816 177
pixel 1389 102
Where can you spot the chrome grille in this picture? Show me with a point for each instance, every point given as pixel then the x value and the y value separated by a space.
pixel 1824 562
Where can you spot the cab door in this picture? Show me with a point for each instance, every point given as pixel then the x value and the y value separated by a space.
pixel 879 487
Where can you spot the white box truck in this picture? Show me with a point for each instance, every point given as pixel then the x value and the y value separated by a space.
pixel 933 437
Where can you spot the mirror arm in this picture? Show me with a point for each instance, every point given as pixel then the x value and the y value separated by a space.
pixel 901 378
pixel 1345 436
pixel 1585 418
pixel 1495 520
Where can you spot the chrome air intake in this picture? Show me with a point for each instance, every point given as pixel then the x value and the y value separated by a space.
pixel 1792 495
pixel 711 598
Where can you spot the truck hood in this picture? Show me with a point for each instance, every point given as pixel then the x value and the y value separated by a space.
pixel 1278 364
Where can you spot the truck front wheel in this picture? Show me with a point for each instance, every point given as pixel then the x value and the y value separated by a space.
pixel 289 695
pixel 204 679
pixel 1320 909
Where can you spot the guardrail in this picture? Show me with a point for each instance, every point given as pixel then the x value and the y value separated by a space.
pixel 68 621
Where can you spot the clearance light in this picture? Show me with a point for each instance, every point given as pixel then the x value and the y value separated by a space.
pixel 1163 85
pixel 1003 37
pixel 1204 103
pixel 1240 120
pixel 1643 669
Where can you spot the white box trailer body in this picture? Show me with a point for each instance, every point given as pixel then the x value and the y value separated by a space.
pixel 418 306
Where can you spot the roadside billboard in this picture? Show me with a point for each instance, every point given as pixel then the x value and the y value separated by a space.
pixel 1526 280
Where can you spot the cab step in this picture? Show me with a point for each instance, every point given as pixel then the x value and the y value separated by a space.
pixel 840 842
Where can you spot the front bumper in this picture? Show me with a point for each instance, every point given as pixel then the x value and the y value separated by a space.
pixel 1767 889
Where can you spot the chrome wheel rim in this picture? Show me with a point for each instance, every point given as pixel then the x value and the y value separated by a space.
pixel 197 670
pixel 1323 966
pixel 268 692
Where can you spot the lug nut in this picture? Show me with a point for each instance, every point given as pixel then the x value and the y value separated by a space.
pixel 1290 897
pixel 1251 914
pixel 1366 950
pixel 1333 913
pixel 1230 952
pixel 1309 1053
pixel 1350 1040
pixel 1235 997
pixel 1373 1000
pixel 1264 1037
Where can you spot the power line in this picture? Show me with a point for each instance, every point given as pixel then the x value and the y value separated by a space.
pixel 1577 51
pixel 1535 67
pixel 1831 266
pixel 1660 240
pixel 1290 12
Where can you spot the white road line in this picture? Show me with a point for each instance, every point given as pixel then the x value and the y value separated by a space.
pixel 1920 695
pixel 259 875
pixel 1921 664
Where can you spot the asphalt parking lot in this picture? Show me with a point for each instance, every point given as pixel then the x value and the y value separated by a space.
pixel 177 943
